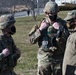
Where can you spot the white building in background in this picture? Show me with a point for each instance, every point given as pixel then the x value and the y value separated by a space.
pixel 59 2
pixel 69 1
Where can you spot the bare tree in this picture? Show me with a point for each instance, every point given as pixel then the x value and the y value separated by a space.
pixel 33 9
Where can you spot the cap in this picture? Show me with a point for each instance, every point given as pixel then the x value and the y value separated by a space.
pixel 71 15
pixel 5 20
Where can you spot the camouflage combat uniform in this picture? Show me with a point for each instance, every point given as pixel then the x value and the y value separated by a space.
pixel 49 62
pixel 70 52
pixel 69 61
pixel 7 63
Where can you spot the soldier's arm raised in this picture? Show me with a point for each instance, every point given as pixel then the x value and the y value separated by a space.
pixel 35 33
pixel 34 28
pixel 35 36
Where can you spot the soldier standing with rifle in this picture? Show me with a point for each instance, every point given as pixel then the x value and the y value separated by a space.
pixel 49 60
pixel 9 53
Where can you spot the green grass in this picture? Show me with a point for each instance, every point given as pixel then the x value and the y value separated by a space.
pixel 27 63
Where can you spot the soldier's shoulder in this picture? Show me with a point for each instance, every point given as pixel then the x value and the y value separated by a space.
pixel 1 36
pixel 72 37
pixel 60 20
pixel 43 19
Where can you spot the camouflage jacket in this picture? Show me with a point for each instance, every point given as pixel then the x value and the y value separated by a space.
pixel 10 61
pixel 43 40
pixel 70 53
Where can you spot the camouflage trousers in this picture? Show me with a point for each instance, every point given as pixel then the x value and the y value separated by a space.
pixel 49 64
pixel 52 68
pixel 8 73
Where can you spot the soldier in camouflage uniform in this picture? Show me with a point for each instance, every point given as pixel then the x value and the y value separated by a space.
pixel 69 62
pixel 9 53
pixel 49 61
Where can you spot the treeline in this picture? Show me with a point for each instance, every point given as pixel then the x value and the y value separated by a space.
pixel 7 6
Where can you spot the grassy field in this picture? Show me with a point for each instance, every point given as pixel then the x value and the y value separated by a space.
pixel 27 64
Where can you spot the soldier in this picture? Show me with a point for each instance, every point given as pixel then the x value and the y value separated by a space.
pixel 49 61
pixel 9 53
pixel 28 12
pixel 69 61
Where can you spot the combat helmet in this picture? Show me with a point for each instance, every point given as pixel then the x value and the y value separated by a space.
pixel 6 20
pixel 51 7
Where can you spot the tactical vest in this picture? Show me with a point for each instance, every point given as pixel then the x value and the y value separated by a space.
pixel 44 40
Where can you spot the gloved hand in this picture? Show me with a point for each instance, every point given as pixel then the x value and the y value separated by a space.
pixel 56 25
pixel 6 52
pixel 43 25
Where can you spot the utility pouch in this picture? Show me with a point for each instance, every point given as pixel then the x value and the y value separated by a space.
pixel 45 45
